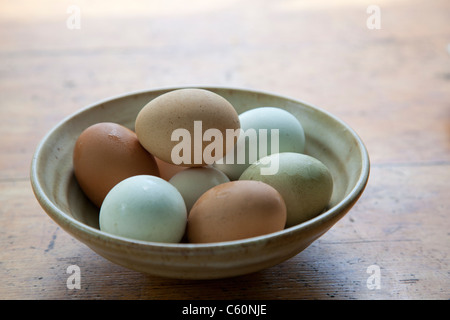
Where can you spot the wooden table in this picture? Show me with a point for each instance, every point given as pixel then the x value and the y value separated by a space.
pixel 392 85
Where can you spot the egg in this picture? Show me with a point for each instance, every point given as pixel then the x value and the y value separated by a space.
pixel 105 154
pixel 144 208
pixel 236 210
pixel 187 127
pixel 168 170
pixel 257 137
pixel 304 182
pixel 193 182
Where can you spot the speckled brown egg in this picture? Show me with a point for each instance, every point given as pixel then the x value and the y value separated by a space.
pixel 181 126
pixel 105 154
pixel 236 210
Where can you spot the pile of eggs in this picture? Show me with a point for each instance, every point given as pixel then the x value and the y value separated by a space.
pixel 145 193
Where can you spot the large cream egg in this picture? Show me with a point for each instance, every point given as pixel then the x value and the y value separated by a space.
pixel 304 182
pixel 187 127
pixel 236 210
pixel 105 154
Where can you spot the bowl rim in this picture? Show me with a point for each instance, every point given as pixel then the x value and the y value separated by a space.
pixel 61 217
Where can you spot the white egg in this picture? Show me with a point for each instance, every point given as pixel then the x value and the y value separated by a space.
pixel 145 208
pixel 259 123
pixel 193 182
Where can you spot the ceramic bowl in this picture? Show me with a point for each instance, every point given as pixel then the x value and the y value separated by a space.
pixel 327 138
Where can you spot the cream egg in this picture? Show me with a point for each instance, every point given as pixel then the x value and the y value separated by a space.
pixel 193 182
pixel 144 208
pixel 187 127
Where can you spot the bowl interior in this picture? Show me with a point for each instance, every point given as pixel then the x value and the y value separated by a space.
pixel 327 139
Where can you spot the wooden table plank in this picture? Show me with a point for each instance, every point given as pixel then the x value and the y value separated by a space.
pixel 390 85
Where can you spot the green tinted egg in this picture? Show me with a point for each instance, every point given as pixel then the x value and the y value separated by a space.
pixel 304 182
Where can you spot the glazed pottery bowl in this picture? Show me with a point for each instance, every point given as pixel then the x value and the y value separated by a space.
pixel 327 138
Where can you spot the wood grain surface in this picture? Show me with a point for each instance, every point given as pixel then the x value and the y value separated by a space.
pixel 392 85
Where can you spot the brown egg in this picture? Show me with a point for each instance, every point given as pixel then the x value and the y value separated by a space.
pixel 168 170
pixel 105 154
pixel 236 210
pixel 175 127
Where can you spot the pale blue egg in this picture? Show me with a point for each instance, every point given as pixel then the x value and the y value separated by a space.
pixel 145 208
pixel 259 127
